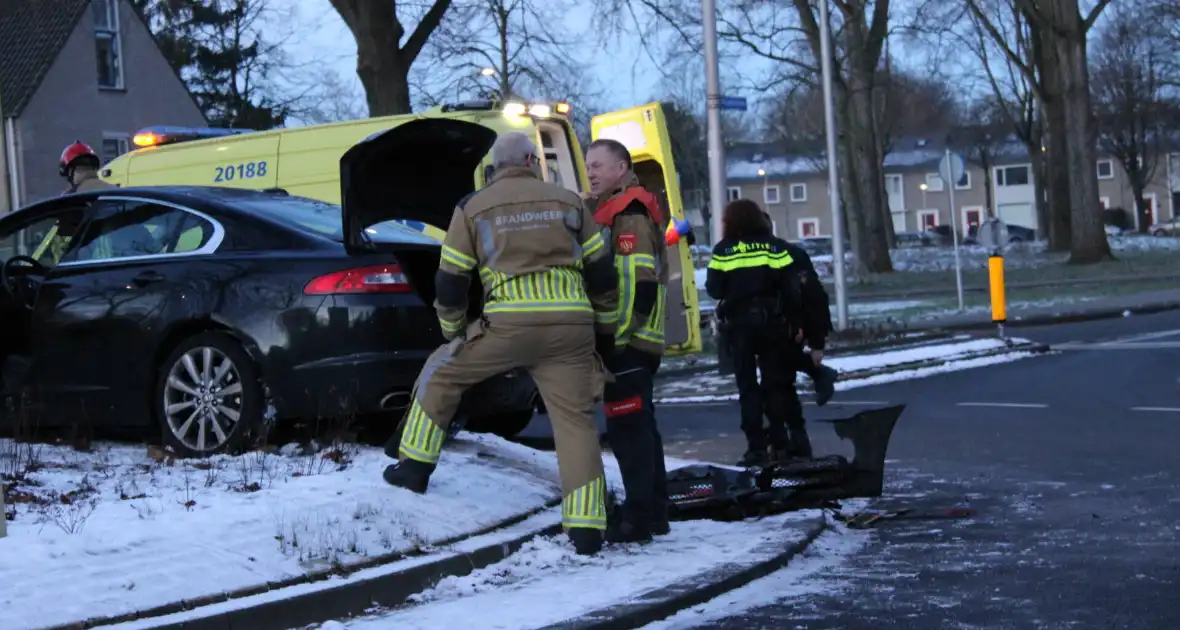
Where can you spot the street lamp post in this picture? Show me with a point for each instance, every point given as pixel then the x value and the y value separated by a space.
pixel 716 148
pixel 923 188
pixel 833 176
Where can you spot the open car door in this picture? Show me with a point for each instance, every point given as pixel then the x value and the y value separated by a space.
pixel 414 173
pixel 644 132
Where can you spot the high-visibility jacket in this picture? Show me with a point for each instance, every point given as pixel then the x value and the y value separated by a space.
pixel 538 254
pixel 635 220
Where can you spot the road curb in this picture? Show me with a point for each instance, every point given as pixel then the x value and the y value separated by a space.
pixel 1067 317
pixel 934 337
pixel 345 599
pixel 1036 348
pixel 666 601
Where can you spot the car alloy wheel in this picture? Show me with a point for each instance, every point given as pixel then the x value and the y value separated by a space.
pixel 203 399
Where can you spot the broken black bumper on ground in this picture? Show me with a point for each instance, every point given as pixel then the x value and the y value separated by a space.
pixel 717 493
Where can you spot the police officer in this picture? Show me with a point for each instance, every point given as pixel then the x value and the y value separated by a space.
pixel 757 283
pixel 548 287
pixel 79 164
pixel 815 305
pixel 635 221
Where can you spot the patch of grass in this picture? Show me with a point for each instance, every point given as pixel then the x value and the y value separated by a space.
pixel 1019 298
pixel 1028 267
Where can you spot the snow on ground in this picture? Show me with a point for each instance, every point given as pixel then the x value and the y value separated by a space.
pixel 132 533
pixel 799 579
pixel 877 379
pixel 965 345
pixel 546 583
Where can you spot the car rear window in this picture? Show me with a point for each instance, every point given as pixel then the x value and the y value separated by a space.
pixel 326 219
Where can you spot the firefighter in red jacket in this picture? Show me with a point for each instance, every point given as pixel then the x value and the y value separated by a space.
pixel 635 222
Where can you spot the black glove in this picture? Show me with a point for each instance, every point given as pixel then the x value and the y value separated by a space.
pixel 604 345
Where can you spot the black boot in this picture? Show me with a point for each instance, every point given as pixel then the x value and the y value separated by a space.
pixel 800 443
pixel 660 525
pixel 623 527
pixel 825 384
pixel 754 459
pixel 409 474
pixel 587 541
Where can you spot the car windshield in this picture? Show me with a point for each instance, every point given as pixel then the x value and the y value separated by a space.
pixel 326 219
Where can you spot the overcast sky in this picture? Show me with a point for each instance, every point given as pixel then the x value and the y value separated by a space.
pixel 323 40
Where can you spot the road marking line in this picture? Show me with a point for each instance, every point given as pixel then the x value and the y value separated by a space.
pixel 997 404
pixel 1118 345
pixel 1171 409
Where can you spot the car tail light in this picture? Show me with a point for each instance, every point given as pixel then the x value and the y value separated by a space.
pixel 377 279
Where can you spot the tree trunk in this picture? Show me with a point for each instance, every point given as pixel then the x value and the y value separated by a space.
pixel 380 64
pixel 1088 243
pixel 1138 185
pixel 1053 138
pixel 1040 189
pixel 866 150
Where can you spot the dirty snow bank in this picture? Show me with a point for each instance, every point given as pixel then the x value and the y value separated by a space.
pixel 962 346
pixel 546 583
pixel 114 531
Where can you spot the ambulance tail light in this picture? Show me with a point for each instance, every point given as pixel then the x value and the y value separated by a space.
pixel 375 279
pixel 540 110
pixel 563 109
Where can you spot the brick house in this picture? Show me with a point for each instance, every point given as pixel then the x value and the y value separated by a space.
pixel 794 188
pixel 71 70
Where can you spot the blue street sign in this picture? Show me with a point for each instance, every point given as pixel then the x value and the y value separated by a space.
pixel 733 102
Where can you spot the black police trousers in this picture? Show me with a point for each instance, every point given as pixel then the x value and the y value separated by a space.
pixel 635 437
pixel 769 348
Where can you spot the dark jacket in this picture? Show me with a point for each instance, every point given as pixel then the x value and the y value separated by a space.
pixel 754 276
pixel 817 311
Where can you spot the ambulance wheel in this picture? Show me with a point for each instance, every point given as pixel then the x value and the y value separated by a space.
pixel 209 396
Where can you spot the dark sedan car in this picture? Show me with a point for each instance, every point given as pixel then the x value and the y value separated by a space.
pixel 206 310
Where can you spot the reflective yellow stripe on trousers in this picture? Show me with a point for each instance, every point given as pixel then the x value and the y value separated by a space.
pixel 422 440
pixel 586 506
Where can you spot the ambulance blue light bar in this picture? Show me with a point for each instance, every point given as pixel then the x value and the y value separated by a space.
pixel 162 135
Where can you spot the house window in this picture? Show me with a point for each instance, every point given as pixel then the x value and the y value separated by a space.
pixel 798 193
pixel 770 194
pixel 113 145
pixel 808 228
pixel 1104 202
pixel 927 219
pixel 972 217
pixel 107 46
pixel 1105 169
pixel 734 193
pixel 933 182
pixel 964 182
pixel 1012 176
pixel 893 184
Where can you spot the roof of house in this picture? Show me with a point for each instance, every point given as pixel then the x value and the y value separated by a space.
pixel 32 34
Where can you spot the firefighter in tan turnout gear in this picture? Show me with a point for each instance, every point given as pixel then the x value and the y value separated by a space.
pixel 549 297
pixel 635 222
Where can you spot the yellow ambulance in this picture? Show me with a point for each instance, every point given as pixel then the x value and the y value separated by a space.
pixel 378 171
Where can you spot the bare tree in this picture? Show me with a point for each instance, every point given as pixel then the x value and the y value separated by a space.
pixel 518 47
pixel 1130 74
pixel 384 60
pixel 982 137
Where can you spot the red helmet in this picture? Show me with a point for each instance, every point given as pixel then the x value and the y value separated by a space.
pixel 73 153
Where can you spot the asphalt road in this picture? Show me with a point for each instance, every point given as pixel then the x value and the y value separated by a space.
pixel 1071 460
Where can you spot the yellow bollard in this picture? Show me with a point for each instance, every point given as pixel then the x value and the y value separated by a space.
pixel 995 274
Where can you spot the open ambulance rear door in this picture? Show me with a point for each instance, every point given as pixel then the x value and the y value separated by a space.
pixel 644 132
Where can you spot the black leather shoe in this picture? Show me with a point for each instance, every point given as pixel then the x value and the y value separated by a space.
pixel 587 541
pixel 661 528
pixel 825 385
pixel 754 459
pixel 624 531
pixel 409 474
